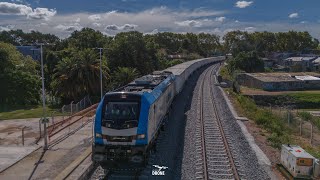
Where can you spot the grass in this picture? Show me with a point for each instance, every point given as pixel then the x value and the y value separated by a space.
pixel 308 97
pixel 273 123
pixel 278 131
pixel 28 112
pixel 224 73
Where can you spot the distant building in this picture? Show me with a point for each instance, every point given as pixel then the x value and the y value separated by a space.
pixel 280 81
pixel 301 63
pixel 29 51
pixel 316 64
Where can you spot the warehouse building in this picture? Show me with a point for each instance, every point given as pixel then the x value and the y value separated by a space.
pixel 280 81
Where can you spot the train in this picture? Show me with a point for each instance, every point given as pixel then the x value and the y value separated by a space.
pixel 129 119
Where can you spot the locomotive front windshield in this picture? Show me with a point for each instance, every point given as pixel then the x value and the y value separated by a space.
pixel 121 115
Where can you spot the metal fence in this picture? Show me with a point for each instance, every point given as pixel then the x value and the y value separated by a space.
pixel 76 107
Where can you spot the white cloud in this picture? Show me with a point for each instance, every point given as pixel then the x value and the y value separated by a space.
pixel 42 13
pixel 95 24
pixel 77 20
pixel 7 8
pixel 189 23
pixel 69 28
pixel 221 19
pixel 243 4
pixel 14 9
pixel 94 17
pixel 3 28
pixel 162 18
pixel 110 13
pixel 125 27
pixel 294 15
pixel 250 29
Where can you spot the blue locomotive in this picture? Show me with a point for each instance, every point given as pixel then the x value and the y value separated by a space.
pixel 128 120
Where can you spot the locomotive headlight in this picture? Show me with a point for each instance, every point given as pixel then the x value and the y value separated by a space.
pixel 141 136
pixel 98 135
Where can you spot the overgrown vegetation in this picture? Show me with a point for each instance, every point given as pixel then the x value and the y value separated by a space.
pixel 306 116
pixel 274 124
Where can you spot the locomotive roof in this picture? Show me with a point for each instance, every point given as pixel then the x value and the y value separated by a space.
pixel 145 83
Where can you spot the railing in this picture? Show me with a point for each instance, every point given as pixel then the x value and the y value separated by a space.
pixel 76 107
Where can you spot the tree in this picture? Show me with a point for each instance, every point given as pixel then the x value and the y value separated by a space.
pixel 238 41
pixel 87 38
pixel 246 61
pixel 79 75
pixel 19 79
pixel 124 75
pixel 208 44
pixel 129 50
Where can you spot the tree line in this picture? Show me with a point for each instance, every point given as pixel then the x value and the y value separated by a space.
pixel 248 48
pixel 72 66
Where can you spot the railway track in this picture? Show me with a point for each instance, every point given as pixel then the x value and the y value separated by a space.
pixel 214 155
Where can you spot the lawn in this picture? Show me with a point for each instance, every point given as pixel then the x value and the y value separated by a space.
pixel 30 112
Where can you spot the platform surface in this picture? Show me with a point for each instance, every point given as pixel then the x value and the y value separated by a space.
pixel 11 155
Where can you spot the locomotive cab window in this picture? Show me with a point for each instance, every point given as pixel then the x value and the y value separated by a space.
pixel 121 115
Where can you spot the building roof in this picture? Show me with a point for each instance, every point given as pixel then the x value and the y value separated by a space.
pixel 301 58
pixel 272 77
pixel 284 77
pixel 297 151
pixel 317 61
pixel 307 78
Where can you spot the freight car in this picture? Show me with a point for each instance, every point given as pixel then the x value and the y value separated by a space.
pixel 128 120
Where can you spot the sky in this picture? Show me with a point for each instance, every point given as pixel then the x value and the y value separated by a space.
pixel 61 17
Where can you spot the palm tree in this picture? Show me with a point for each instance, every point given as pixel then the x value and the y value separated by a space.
pixel 79 75
pixel 124 75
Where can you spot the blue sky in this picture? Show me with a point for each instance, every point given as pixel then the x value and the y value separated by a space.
pixel 61 17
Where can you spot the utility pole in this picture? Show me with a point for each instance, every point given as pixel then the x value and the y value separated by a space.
pixel 43 101
pixel 44 116
pixel 101 89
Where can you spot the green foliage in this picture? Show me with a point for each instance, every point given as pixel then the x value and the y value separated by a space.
pixel 225 73
pixel 79 75
pixel 271 122
pixel 263 42
pixel 248 62
pixel 124 75
pixel 87 38
pixel 130 50
pixel 306 99
pixel 170 63
pixel 306 116
pixel 18 37
pixel 20 83
pixel 27 111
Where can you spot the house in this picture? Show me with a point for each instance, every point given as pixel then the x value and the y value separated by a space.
pixel 29 51
pixel 300 63
pixel 316 64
